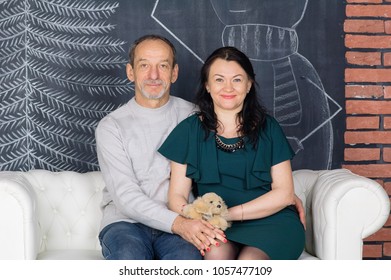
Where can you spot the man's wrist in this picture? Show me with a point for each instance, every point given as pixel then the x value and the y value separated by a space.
pixel 176 224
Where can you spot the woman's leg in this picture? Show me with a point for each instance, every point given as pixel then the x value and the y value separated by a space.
pixel 226 251
pixel 252 253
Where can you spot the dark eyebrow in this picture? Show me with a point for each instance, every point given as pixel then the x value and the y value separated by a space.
pixel 237 75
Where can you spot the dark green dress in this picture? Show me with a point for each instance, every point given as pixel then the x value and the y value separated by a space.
pixel 239 177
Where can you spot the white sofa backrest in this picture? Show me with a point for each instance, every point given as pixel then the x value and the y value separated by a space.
pixel 68 205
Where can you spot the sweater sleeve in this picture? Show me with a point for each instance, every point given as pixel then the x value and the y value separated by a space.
pixel 123 188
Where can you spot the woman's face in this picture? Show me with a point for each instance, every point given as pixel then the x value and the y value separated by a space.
pixel 228 85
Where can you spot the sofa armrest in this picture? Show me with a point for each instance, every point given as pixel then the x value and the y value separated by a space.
pixel 19 226
pixel 346 209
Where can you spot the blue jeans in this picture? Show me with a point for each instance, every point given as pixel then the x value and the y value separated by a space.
pixel 128 241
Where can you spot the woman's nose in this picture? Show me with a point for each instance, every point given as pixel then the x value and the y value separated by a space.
pixel 228 86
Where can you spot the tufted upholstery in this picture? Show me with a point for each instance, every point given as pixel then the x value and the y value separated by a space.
pixel 64 212
pixel 56 215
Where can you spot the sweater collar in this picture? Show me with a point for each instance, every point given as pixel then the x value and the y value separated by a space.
pixel 149 111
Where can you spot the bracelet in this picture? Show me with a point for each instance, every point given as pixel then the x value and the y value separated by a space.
pixel 241 206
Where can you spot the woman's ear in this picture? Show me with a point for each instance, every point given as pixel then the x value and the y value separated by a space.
pixel 249 85
pixel 207 88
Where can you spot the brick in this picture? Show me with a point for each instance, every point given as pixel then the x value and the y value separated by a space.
pixel 354 123
pixel 364 1
pixel 387 188
pixel 364 58
pixel 372 251
pixel 387 92
pixel 368 41
pixel 387 59
pixel 367 91
pixel 387 27
pixel 387 249
pixel 372 107
pixel 388 222
pixel 380 182
pixel 384 234
pixel 372 171
pixel 383 11
pixel 367 75
pixel 387 123
pixel 368 137
pixel 387 154
pixel 364 26
pixel 361 154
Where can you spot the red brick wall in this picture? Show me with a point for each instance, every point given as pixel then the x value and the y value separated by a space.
pixel 367 152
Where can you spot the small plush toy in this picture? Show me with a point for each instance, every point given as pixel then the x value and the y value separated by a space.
pixel 209 207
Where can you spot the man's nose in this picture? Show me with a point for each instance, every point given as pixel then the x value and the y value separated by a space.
pixel 154 72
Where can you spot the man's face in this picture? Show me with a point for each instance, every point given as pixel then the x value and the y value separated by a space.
pixel 153 70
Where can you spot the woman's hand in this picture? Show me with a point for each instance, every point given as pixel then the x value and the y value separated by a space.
pixel 198 232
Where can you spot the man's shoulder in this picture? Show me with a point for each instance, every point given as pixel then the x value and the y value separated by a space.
pixel 180 102
pixel 117 114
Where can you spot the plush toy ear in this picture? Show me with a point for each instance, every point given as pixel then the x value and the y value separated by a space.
pixel 201 206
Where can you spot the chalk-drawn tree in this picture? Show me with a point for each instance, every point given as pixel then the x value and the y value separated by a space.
pixel 56 81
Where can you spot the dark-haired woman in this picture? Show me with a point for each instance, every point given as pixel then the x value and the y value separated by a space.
pixel 234 148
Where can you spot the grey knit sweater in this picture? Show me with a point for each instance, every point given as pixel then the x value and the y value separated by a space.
pixel 136 176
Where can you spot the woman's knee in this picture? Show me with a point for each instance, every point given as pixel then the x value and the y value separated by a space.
pixel 226 251
pixel 252 253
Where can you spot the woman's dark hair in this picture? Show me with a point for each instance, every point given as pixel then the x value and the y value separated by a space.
pixel 252 116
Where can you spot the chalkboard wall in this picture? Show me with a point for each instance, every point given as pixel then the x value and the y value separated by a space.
pixel 62 69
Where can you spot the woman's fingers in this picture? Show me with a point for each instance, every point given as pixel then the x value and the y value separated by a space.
pixel 199 233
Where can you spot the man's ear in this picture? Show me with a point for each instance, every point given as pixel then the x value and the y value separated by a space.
pixel 175 72
pixel 130 72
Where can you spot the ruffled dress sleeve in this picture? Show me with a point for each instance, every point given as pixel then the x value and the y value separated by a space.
pixel 281 149
pixel 187 144
pixel 273 148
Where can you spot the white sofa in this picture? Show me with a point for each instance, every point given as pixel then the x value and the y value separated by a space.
pixel 56 215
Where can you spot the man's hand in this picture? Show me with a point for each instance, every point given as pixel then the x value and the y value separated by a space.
pixel 300 209
pixel 198 232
